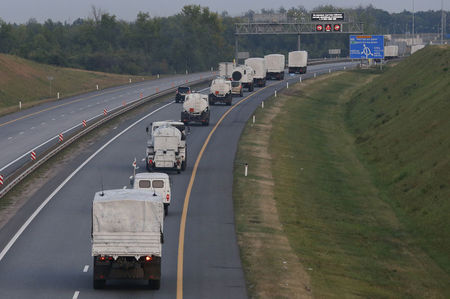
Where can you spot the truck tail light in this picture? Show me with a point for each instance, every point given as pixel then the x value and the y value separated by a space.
pixel 151 161
pixel 191 109
pixel 217 92
pixel 167 196
pixel 148 258
pixel 102 258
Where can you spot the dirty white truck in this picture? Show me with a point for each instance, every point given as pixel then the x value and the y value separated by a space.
pixel 244 74
pixel 225 69
pixel 220 92
pixel 196 109
pixel 297 62
pixel 259 67
pixel 275 64
pixel 154 182
pixel 166 147
pixel 127 236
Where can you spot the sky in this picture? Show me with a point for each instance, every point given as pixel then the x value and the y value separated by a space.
pixel 20 11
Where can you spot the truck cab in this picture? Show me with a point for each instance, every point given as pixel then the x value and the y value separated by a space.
pixel 154 182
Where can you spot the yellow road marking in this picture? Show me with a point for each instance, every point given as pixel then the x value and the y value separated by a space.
pixel 60 105
pixel 188 195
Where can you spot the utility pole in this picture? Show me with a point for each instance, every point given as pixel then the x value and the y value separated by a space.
pixel 412 41
pixel 442 22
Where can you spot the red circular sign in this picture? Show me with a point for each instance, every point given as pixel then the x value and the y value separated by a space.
pixel 337 27
pixel 319 27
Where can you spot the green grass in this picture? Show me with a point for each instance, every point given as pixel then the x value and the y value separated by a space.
pixel 27 81
pixel 360 164
pixel 334 213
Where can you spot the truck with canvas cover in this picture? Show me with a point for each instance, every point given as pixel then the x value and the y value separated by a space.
pixel 297 62
pixel 196 109
pixel 165 149
pixel 244 74
pixel 259 66
pixel 225 69
pixel 182 147
pixel 154 182
pixel 127 236
pixel 390 52
pixel 275 66
pixel 220 91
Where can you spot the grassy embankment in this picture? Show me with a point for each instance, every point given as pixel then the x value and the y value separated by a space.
pixel 356 175
pixel 27 81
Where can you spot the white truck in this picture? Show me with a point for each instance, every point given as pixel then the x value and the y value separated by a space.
pixel 220 91
pixel 244 74
pixel 127 236
pixel 196 109
pixel 154 182
pixel 225 69
pixel 166 149
pixel 390 52
pixel 259 66
pixel 275 64
pixel 415 48
pixel 297 62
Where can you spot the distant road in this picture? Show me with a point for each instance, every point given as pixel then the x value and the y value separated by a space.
pixel 21 132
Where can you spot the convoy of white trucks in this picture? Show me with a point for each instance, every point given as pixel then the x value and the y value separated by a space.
pixel 297 62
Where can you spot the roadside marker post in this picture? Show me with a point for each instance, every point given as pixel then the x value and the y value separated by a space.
pixel 60 137
pixel 262 104
pixel 57 95
pixel 105 112
pixel 20 105
pixel 254 119
pixel 84 123
pixel 329 71
pixel 300 79
pixel 287 84
pixel 129 80
pixel 315 75
pixel 1 179
pixel 246 169
pixel 157 76
pixel 33 156
pixel 157 89
pixel 141 95
pixel 97 86
pixel 124 103
pixel 275 93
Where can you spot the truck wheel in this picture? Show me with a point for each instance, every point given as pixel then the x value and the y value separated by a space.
pixel 99 284
pixel 166 210
pixel 154 284
pixel 242 93
pixel 183 165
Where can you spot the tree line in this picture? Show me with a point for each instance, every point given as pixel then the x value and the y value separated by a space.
pixel 195 39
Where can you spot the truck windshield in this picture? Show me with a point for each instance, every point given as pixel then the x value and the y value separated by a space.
pixel 183 89
pixel 235 83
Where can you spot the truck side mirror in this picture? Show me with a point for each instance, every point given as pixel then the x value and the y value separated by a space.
pixel 131 180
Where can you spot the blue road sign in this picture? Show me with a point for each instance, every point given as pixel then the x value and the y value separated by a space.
pixel 366 46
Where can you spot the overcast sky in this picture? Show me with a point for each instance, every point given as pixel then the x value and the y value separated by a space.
pixel 20 11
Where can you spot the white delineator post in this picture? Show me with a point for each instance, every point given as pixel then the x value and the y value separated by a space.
pixel 275 93
pixel 315 75
pixel 97 86
pixel 300 79
pixel 254 118
pixel 20 105
pixel 262 104
pixel 287 84
pixel 57 95
pixel 157 76
pixel 245 169
pixel 130 80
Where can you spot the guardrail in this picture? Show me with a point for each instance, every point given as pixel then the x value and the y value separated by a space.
pixel 22 167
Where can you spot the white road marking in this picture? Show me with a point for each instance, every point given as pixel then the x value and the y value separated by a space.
pixel 42 123
pixel 124 187
pixel 9 138
pixel 86 268
pixel 89 105
pixel 114 128
pixel 62 115
pixel 53 119
pixel 32 128
pixel 98 103
pixel 76 294
pixel 21 133
pixel 46 201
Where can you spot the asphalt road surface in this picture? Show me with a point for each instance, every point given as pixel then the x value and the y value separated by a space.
pixel 23 131
pixel 51 257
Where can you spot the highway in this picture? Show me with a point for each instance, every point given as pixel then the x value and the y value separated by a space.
pixel 49 254
pixel 22 132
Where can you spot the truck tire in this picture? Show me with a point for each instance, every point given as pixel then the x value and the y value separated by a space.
pixel 149 167
pixel 242 92
pixel 166 210
pixel 99 284
pixel 183 165
pixel 154 284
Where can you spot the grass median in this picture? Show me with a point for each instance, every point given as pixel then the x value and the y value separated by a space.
pixel 311 212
